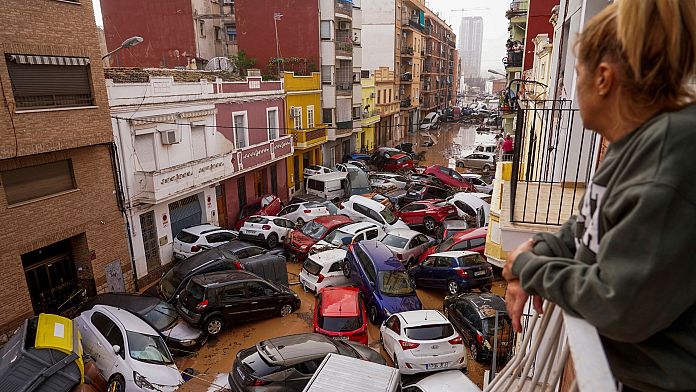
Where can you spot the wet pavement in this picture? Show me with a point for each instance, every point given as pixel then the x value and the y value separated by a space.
pixel 215 359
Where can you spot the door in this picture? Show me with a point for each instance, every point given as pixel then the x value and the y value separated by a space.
pixel 424 272
pixel 299 375
pixel 233 301
pixel 185 213
pixel 106 334
pixel 442 271
pixel 150 243
pixel 391 335
pixel 274 179
pixel 51 277
pixel 262 300
pixel 221 206
pixel 296 172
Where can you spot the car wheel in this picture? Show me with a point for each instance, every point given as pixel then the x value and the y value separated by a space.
pixel 213 326
pixel 430 224
pixel 285 310
pixel 486 169
pixel 473 349
pixel 345 267
pixel 460 164
pixel 452 287
pixel 272 240
pixel 410 262
pixel 116 384
pixel 372 315
pixel 300 222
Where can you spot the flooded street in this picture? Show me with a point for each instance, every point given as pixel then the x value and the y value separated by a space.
pixel 215 359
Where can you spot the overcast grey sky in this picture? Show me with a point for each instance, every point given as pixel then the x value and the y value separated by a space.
pixel 494 25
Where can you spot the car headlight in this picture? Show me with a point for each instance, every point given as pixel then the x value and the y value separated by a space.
pixel 142 382
pixel 187 342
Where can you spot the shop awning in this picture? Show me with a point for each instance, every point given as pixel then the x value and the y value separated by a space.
pixel 48 60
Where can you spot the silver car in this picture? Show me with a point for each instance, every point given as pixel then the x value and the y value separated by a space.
pixel 484 161
pixel 407 245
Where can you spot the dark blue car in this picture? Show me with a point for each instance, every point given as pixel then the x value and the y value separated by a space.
pixel 382 280
pixel 453 271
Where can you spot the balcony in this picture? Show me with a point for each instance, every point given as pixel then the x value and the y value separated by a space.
pixel 513 59
pixel 406 103
pixel 310 138
pixel 407 77
pixel 344 7
pixel 344 43
pixel 370 118
pixel 387 109
pixel 407 51
pixel 344 88
pixel 428 31
pixel 412 23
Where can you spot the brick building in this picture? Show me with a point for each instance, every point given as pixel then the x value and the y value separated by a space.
pixel 60 219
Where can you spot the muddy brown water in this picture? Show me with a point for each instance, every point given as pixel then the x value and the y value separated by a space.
pixel 217 355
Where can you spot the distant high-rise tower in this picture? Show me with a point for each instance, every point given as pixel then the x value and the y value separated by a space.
pixel 470 44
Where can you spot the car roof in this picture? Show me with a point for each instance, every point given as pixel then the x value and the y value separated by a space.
pixel 416 318
pixel 381 256
pixel 135 303
pixel 201 229
pixel 219 277
pixel 186 266
pixel 486 303
pixel 128 320
pixel 332 220
pixel 329 256
pixel 329 176
pixel 292 349
pixel 340 301
pixel 236 245
pixel 447 381
pixel 455 253
pixel 353 228
pixel 471 233
pixel 372 204
pixel 403 233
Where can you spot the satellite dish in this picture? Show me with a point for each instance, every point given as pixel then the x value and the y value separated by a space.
pixel 220 64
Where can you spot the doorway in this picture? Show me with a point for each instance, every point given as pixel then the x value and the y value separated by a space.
pixel 185 213
pixel 149 230
pixel 296 172
pixel 52 278
pixel 221 205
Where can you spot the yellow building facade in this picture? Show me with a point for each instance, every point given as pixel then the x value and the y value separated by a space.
pixel 303 121
pixel 370 116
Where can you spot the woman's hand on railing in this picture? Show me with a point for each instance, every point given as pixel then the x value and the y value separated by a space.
pixel 515 296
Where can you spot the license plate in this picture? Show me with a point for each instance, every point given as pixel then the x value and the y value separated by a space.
pixel 340 337
pixel 479 273
pixel 437 365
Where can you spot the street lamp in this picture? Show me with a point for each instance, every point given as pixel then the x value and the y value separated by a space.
pixel 129 43
pixel 494 72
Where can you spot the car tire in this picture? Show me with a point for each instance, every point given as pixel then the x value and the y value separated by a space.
pixel 460 164
pixel 272 240
pixel 116 384
pixel 300 222
pixel 372 315
pixel 474 351
pixel 486 169
pixel 345 267
pixel 410 262
pixel 213 326
pixel 430 224
pixel 452 287
pixel 285 310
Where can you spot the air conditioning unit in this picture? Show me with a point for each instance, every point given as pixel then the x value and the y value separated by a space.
pixel 295 112
pixel 172 136
pixel 344 25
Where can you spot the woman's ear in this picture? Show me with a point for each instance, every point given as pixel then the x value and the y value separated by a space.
pixel 605 79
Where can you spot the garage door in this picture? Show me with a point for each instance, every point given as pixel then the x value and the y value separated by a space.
pixel 185 213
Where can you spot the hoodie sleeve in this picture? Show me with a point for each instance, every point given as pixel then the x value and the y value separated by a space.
pixel 644 276
pixel 559 244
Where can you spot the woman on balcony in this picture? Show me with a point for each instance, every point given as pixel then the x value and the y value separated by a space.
pixel 627 262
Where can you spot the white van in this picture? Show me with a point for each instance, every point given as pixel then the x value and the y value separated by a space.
pixel 330 186
pixel 430 121
pixel 341 373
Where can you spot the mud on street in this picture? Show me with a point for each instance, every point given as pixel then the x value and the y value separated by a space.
pixel 213 362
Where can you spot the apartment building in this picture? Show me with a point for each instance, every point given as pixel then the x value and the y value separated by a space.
pixel 471 45
pixel 388 107
pixel 176 33
pixel 370 116
pixel 61 220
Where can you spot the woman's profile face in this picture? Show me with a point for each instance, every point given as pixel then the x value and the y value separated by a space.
pixel 588 99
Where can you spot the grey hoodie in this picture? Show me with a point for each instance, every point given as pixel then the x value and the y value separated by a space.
pixel 627 262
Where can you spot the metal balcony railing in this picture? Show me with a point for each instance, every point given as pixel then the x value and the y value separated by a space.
pixel 513 59
pixel 344 7
pixel 407 50
pixel 552 161
pixel 406 103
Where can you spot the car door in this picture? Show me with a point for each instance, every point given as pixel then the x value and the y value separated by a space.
pixel 283 227
pixel 423 243
pixel 290 212
pixel 391 334
pixel 413 214
pixel 299 374
pixel 411 249
pixel 263 300
pixel 105 335
pixel 441 271
pixel 233 300
pixel 423 272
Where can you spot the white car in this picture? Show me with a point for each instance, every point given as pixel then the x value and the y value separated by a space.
pixel 316 169
pixel 130 354
pixel 430 121
pixel 468 204
pixel 192 240
pixel 348 234
pixel 396 180
pixel 447 381
pixel 324 270
pixel 269 229
pixel 422 341
pixel 362 209
pixel 478 183
pixel 348 167
pixel 407 245
pixel 304 212
pixel 359 164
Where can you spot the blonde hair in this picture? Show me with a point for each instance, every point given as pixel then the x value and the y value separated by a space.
pixel 652 43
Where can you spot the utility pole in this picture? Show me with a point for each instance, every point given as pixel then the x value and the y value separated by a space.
pixel 276 17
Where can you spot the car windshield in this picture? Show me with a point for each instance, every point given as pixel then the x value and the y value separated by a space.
pixel 312 267
pixel 170 281
pixel 148 349
pixel 445 245
pixel 468 261
pixel 394 241
pixel 340 324
pixel 186 237
pixel 430 332
pixel 395 283
pixel 388 216
pixel 313 167
pixel 314 230
pixel 338 237
pixel 162 316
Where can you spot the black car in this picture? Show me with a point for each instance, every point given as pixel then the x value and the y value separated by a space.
pixel 213 300
pixel 180 337
pixel 287 363
pixel 473 315
pixel 234 255
pixel 419 192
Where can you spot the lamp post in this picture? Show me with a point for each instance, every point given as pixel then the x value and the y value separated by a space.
pixel 129 43
pixel 494 72
pixel 276 17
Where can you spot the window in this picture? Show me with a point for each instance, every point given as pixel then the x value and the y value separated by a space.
pixel 198 143
pixel 241 191
pixel 394 324
pixel 474 242
pixel 326 74
pixel 371 234
pixel 40 82
pixel 356 112
pixel 366 263
pixel 296 112
pixel 379 97
pixel 274 179
pixel 325 29
pixel 462 245
pixel 364 74
pixel 310 116
pixel 233 292
pixel 258 289
pixel 231 31
pixel 34 182
pixel 241 132
pixel 218 34
pixel 272 123
pixel 201 28
pixel 259 183
pixel 219 237
pixel 327 116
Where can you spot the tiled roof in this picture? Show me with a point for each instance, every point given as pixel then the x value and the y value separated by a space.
pixel 142 75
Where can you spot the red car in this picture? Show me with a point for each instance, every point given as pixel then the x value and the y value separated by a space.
pixel 268 205
pixel 427 213
pixel 473 240
pixel 450 177
pixel 339 313
pixel 299 241
pixel 398 163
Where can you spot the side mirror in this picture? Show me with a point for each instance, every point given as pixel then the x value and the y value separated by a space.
pixel 117 348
